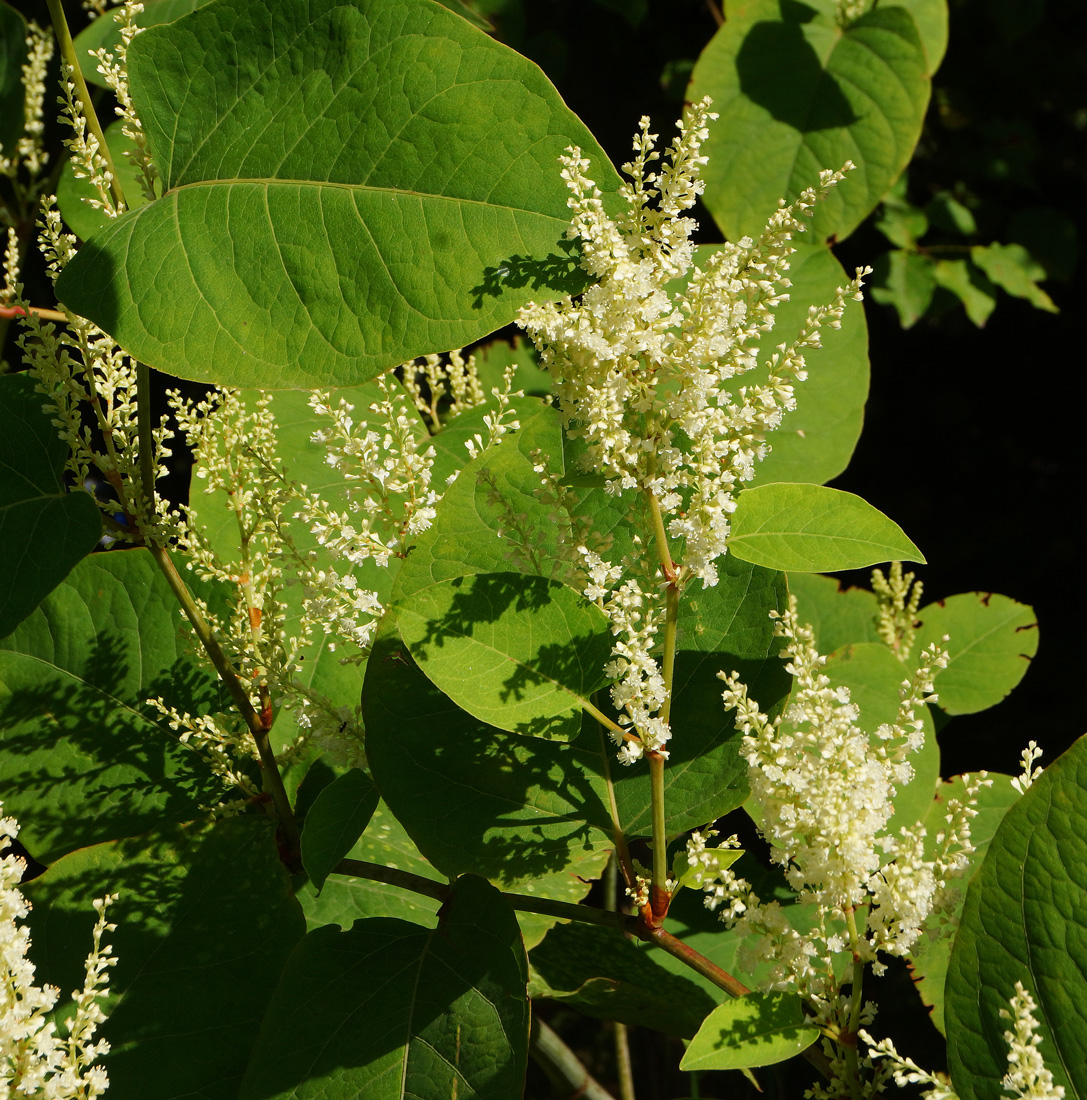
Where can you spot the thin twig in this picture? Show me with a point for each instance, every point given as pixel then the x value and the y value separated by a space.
pixel 563 1067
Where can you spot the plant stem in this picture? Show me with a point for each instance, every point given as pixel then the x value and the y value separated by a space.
pixel 619 1030
pixel 524 903
pixel 562 1066
pixel 659 897
pixel 67 50
pixel 622 851
pixel 273 781
pixel 679 950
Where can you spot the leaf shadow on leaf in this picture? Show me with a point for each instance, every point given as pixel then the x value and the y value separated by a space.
pixel 810 98
pixel 486 598
pixel 204 921
pixel 557 273
pixel 472 797
pixel 96 765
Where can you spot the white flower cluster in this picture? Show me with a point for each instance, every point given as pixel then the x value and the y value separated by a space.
pixel 642 373
pixel 36 1060
pixel 387 463
pixel 84 150
pixel 899 597
pixel 1027 1077
pixel 1030 773
pixel 822 786
pixel 114 70
pixel 29 153
pixel 79 368
pixel 454 384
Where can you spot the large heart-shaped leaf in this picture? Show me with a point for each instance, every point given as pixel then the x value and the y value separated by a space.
pixel 348 186
pixel 82 759
pixel 1024 921
pixel 394 1011
pixel 44 530
pixel 205 922
pixel 335 822
pixel 814 529
pixel 797 94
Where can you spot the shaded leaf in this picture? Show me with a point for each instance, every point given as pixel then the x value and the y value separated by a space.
pixel 390 1009
pixel 947 213
pixel 83 759
pixel 602 974
pixel 905 280
pixel 520 653
pixel 970 285
pixel 44 530
pixel 796 95
pixel 992 642
pixel 404 159
pixel 838 616
pixel 757 1029
pixel 205 922
pixel 335 822
pixel 474 798
pixel 1024 920
pixel 345 899
pixel 813 529
pixel 1013 269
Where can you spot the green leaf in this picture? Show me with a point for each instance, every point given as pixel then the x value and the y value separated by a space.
pixel 930 17
pixel 838 616
pixel 82 758
pixel 342 203
pixel 970 285
pixel 391 1010
pixel 930 956
pixel 813 529
pixel 992 642
pixel 12 59
pixel 798 94
pixel 902 224
pixel 44 530
pixel 725 628
pixel 493 358
pixel 1024 920
pixel 105 32
pixel 335 821
pixel 205 922
pixel 905 280
pixel 520 653
pixel 947 213
pixel 757 1029
pixel 603 974
pixel 466 535
pixel 81 218
pixel 345 899
pixel 817 439
pixel 474 798
pixel 1013 268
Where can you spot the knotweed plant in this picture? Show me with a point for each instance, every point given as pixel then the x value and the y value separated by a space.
pixel 373 661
